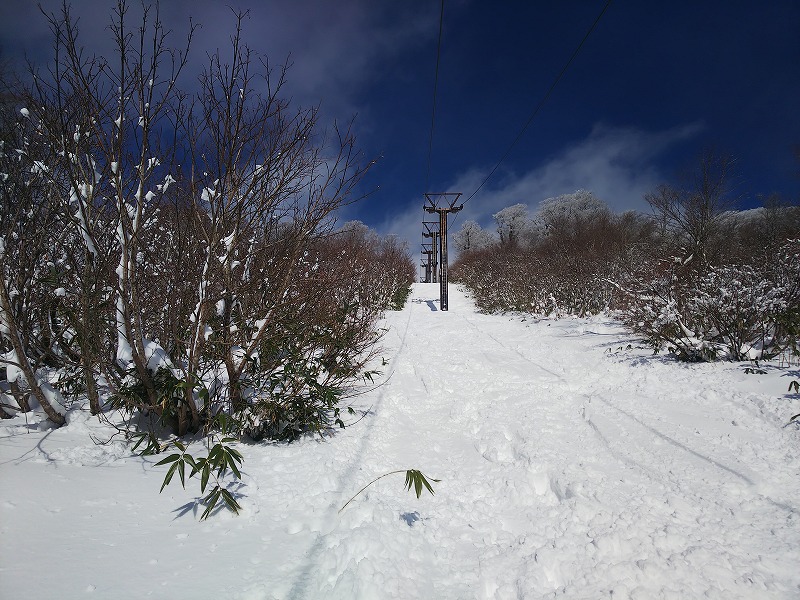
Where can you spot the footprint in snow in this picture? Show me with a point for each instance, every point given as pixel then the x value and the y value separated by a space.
pixel 410 518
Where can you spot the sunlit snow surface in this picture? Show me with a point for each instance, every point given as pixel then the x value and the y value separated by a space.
pixel 572 466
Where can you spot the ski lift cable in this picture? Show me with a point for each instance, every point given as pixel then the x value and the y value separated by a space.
pixel 542 101
pixel 435 89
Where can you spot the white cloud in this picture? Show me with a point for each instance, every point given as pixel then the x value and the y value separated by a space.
pixel 334 47
pixel 619 165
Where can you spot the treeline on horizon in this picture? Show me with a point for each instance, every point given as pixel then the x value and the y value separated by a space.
pixel 695 277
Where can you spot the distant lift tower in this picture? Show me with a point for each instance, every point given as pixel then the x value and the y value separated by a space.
pixel 431 232
pixel 448 205
pixel 427 264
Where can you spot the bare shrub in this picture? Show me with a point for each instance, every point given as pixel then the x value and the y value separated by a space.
pixel 567 267
pixel 178 240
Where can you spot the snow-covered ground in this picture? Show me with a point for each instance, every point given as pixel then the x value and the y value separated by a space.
pixel 572 465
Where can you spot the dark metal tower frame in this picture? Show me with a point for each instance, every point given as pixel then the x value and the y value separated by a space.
pixel 448 206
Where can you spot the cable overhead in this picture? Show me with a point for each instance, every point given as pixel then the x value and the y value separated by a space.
pixel 542 101
pixel 435 88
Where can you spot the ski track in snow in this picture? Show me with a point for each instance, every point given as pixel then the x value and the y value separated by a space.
pixel 571 466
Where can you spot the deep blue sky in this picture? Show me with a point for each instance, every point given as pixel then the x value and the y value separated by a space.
pixel 655 84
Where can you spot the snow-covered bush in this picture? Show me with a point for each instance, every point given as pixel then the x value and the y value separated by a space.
pixel 566 268
pixel 739 311
pixel 170 248
pixel 727 289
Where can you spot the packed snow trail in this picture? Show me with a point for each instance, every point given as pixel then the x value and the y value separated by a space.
pixel 572 464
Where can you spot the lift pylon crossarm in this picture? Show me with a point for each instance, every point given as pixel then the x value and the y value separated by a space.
pixel 429 227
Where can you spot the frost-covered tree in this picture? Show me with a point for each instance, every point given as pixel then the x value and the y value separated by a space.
pixel 560 214
pixel 471 237
pixel 723 284
pixel 512 221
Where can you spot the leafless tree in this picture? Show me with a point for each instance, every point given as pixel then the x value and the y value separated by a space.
pixel 182 224
pixel 693 212
pixel 265 183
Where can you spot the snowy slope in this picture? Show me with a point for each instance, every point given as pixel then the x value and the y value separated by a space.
pixel 571 465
